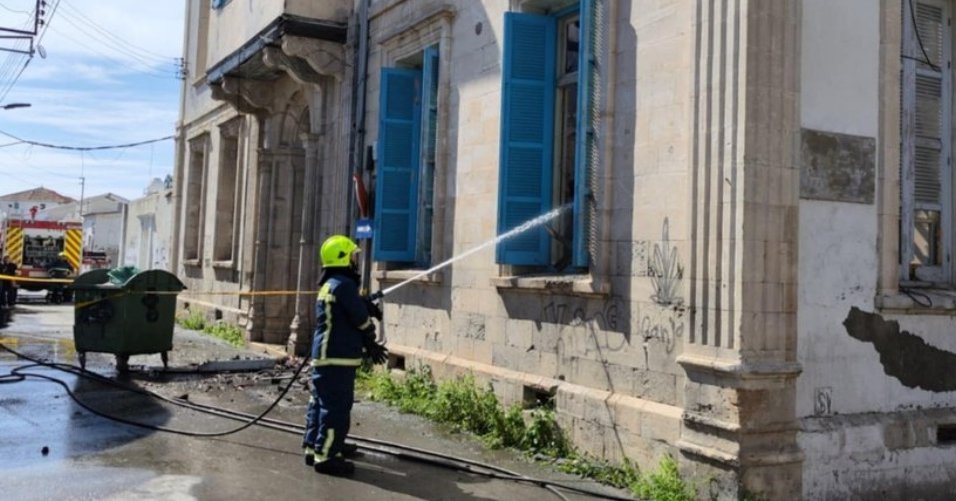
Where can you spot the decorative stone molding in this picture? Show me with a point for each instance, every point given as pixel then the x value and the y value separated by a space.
pixel 322 57
pixel 740 355
pixel 246 96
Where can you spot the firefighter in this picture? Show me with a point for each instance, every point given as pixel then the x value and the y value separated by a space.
pixel 4 283
pixel 9 288
pixel 343 330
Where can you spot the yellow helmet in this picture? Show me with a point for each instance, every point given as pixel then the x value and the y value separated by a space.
pixel 336 251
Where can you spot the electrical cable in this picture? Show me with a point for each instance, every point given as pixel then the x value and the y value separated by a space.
pixel 380 446
pixel 131 47
pixel 86 148
pixel 919 40
pixel 148 71
pixel 920 298
pixel 46 26
pixel 15 11
pixel 17 51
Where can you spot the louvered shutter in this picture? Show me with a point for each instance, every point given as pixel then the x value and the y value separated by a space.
pixel 527 135
pixel 586 147
pixel 396 184
pixel 925 175
pixel 928 112
pixel 429 139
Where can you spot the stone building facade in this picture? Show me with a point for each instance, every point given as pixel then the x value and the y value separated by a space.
pixel 263 114
pixel 750 264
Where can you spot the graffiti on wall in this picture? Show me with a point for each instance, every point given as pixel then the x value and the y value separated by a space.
pixel 610 322
pixel 665 270
pixel 663 325
pixel 605 320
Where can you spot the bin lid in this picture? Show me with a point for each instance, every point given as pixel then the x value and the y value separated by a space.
pixel 155 280
pixel 93 279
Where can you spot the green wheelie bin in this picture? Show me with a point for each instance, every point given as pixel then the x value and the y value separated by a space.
pixel 124 312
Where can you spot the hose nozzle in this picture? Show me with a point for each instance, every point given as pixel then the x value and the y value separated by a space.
pixel 375 296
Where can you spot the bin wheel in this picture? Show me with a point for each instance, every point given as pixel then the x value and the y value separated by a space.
pixel 82 356
pixel 165 356
pixel 122 363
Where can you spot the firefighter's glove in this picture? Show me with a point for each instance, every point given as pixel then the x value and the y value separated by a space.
pixel 373 310
pixel 375 352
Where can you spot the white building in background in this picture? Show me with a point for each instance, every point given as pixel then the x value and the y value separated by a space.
pixel 103 217
pixel 148 228
pixel 18 204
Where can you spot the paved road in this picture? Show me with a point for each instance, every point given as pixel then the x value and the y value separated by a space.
pixel 89 457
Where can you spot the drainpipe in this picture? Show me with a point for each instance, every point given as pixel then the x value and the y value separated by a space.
pixel 174 250
pixel 357 139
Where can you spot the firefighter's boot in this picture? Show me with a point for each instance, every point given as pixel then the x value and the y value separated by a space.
pixel 335 466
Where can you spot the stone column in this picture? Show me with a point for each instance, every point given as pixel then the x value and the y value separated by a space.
pixel 299 338
pixel 740 355
pixel 255 325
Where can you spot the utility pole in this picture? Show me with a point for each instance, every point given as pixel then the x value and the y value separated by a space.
pixel 82 190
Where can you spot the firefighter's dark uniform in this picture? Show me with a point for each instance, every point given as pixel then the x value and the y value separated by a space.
pixel 342 320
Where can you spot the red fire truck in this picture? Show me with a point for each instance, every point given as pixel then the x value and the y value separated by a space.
pixel 42 249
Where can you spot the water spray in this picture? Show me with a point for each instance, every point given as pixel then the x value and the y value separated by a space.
pixel 527 225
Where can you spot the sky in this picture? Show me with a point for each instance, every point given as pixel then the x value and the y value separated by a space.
pixel 109 77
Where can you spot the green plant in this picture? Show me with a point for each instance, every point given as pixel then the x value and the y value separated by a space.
pixel 194 320
pixel 227 332
pixel 465 406
pixel 624 476
pixel 665 484
pixel 543 435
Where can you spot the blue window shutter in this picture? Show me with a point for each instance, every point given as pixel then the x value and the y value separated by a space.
pixel 396 184
pixel 585 136
pixel 527 136
pixel 423 252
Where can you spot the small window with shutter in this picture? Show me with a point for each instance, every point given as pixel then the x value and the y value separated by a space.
pixel 407 158
pixel 548 146
pixel 926 208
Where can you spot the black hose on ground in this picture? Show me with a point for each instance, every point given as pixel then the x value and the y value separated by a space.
pixel 384 447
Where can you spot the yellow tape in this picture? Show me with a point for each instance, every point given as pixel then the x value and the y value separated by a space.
pixel 14 278
pixel 84 304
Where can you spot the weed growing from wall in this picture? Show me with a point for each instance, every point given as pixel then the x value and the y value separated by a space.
pixel 466 407
pixel 194 321
pixel 229 333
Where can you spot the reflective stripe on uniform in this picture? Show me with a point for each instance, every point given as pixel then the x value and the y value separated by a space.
pixel 325 295
pixel 341 362
pixel 323 453
pixel 366 325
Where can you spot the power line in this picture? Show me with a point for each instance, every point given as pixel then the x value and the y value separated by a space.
pixel 46 26
pixel 113 46
pixel 136 48
pixel 148 71
pixel 16 11
pixel 16 52
pixel 86 148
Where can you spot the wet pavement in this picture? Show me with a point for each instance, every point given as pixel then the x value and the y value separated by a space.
pixel 54 448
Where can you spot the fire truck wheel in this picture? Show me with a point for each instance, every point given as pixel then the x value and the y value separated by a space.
pixel 122 363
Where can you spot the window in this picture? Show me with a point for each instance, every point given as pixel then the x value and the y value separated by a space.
pixel 193 203
pixel 218 4
pixel 227 190
pixel 926 215
pixel 547 138
pixel 404 185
